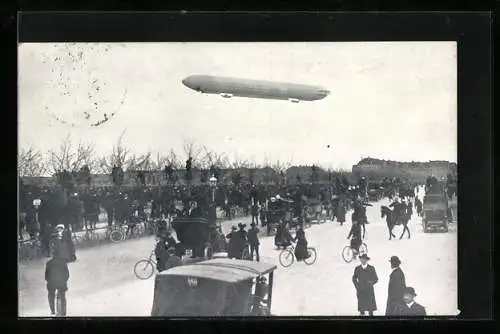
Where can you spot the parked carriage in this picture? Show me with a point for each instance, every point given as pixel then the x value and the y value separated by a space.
pixel 198 237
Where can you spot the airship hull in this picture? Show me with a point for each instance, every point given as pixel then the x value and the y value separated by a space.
pixel 228 87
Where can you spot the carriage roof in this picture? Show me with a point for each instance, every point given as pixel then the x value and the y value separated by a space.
pixel 225 270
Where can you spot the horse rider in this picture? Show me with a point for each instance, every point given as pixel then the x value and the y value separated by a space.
pixel 399 209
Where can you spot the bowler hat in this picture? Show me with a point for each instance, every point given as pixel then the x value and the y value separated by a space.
pixel 233 228
pixel 364 257
pixel 410 290
pixel 395 260
pixel 252 224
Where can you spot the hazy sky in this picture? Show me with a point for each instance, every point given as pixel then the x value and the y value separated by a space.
pixel 388 100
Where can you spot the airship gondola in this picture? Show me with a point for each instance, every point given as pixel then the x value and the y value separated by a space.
pixel 229 87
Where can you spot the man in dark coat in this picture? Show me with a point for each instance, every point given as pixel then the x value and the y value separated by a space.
pixel 253 239
pixel 410 308
pixel 63 244
pixel 231 245
pixel 364 278
pixel 397 284
pixel 255 212
pixel 57 275
pixel 241 241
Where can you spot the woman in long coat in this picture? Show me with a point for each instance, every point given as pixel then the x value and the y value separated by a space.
pixel 364 278
pixel 301 247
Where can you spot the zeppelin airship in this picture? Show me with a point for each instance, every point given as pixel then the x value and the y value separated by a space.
pixel 229 87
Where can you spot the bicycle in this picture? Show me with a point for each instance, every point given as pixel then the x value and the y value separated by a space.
pixel 136 231
pixel 30 249
pixel 145 268
pixel 348 252
pixel 287 256
pixel 114 233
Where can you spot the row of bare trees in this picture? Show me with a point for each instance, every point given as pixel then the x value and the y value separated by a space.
pixel 71 156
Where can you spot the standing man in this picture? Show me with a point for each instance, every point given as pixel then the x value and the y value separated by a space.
pixel 255 212
pixel 231 245
pixel 253 239
pixel 410 308
pixel 364 278
pixel 397 285
pixel 57 275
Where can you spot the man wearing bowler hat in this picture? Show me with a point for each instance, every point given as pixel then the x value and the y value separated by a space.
pixel 410 308
pixel 397 285
pixel 364 278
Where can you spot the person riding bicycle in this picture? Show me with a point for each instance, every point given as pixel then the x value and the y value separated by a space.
pixel 57 275
pixel 165 248
pixel 355 236
pixel 283 236
pixel 301 252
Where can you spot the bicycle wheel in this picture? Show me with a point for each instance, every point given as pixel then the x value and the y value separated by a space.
pixel 286 258
pixel 363 249
pixel 116 236
pixel 144 269
pixel 347 254
pixel 312 256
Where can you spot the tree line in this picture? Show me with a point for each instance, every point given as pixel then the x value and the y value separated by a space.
pixel 81 160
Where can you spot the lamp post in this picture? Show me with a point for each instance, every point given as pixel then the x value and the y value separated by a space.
pixel 213 210
pixel 213 184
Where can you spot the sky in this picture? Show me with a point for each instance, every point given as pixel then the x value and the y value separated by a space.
pixel 391 100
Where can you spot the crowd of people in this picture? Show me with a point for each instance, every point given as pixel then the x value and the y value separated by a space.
pixel 54 214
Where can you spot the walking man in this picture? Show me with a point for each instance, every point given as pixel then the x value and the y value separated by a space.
pixel 364 278
pixel 253 239
pixel 397 287
pixel 410 308
pixel 255 212
pixel 57 275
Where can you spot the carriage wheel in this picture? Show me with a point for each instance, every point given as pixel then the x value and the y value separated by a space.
pixel 286 258
pixel 116 236
pixel 144 269
pixel 312 256
pixel 363 249
pixel 208 252
pixel 347 254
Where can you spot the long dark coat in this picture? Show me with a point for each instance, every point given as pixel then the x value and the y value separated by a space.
pixel 397 284
pixel 240 238
pixel 301 247
pixel 231 245
pixel 341 212
pixel 363 280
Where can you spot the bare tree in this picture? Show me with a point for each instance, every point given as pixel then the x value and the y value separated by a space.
pixel 209 158
pixel 191 150
pixel 174 160
pixel 118 157
pixel 69 158
pixel 30 162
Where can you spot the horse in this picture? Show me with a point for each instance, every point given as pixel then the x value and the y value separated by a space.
pixel 392 221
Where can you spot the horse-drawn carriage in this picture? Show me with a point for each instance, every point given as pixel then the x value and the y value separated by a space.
pixel 315 211
pixel 374 192
pixel 435 210
pixel 283 214
pixel 198 237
